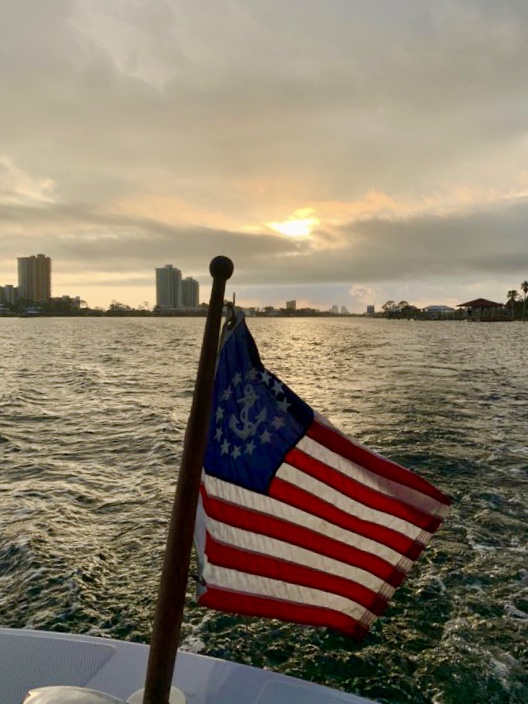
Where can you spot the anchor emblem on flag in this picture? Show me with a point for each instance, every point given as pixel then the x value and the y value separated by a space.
pixel 244 427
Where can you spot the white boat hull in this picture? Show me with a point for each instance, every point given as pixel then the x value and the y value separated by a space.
pixel 32 659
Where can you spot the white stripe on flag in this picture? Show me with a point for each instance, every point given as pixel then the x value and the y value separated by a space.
pixel 245 583
pixel 264 504
pixel 271 547
pixel 353 508
pixel 393 489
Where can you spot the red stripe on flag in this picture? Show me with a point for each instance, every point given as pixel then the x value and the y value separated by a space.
pixel 381 466
pixel 301 499
pixel 266 524
pixel 359 492
pixel 265 566
pixel 251 605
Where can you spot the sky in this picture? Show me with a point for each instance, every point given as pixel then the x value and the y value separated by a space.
pixel 341 152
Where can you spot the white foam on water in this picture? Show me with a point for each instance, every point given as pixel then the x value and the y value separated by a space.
pixel 512 610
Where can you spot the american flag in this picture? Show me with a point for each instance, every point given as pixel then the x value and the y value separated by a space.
pixel 297 521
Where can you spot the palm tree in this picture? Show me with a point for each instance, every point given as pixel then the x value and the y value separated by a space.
pixel 512 297
pixel 524 289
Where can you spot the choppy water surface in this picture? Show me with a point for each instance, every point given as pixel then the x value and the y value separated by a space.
pixel 92 416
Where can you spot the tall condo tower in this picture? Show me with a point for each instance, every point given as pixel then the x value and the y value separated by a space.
pixel 168 287
pixel 34 278
pixel 190 292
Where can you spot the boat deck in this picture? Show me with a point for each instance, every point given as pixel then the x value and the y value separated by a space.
pixel 32 659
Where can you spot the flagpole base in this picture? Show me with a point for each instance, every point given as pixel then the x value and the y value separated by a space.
pixel 176 696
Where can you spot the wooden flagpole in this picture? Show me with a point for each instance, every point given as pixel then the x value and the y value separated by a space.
pixel 171 597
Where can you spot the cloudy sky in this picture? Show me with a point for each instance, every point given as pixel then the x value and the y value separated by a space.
pixel 339 151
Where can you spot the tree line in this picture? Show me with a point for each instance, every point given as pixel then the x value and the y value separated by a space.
pixel 516 305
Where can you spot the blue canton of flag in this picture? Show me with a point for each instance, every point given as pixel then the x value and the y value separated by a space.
pixel 255 419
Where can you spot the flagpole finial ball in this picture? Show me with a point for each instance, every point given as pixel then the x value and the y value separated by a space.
pixel 221 268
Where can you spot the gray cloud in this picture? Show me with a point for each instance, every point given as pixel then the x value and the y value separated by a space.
pixel 372 250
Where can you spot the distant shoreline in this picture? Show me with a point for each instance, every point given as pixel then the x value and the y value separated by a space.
pixel 194 314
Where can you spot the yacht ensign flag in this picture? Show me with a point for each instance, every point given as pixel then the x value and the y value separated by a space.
pixel 297 521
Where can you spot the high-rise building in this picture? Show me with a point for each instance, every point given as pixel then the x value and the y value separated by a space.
pixel 34 278
pixel 291 305
pixel 168 287
pixel 190 292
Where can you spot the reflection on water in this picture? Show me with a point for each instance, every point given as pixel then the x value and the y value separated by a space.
pixel 92 415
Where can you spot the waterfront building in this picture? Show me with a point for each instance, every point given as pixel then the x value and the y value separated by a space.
pixel 335 310
pixel 482 309
pixel 34 278
pixel 8 294
pixel 168 287
pixel 371 310
pixel 438 312
pixel 438 309
pixel 190 292
pixel 291 305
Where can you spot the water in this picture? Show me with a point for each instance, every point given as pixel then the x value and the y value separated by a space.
pixel 92 416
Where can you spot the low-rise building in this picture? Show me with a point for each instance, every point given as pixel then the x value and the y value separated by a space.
pixel 482 309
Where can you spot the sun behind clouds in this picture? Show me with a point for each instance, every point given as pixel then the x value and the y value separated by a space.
pixel 299 224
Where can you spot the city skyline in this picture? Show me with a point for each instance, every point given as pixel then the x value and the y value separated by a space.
pixel 339 153
pixel 189 292
pixel 34 285
pixel 171 291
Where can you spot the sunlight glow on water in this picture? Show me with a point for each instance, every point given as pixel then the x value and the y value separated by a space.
pixel 92 416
